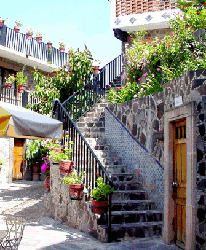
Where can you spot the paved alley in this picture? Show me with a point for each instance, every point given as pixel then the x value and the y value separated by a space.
pixel 26 199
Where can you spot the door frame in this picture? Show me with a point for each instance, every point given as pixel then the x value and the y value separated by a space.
pixel 170 116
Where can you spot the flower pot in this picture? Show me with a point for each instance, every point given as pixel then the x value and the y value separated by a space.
pixel 8 85
pixel 95 70
pixel 16 29
pixel 66 167
pixel 1 23
pixel 61 49
pixel 99 207
pixel 49 45
pixel 76 191
pixel 39 39
pixel 47 182
pixel 28 36
pixel 21 88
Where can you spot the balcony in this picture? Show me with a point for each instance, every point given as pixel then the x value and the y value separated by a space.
pixel 133 15
pixel 16 47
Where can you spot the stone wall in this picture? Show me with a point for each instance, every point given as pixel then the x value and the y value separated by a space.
pixel 77 214
pixel 137 159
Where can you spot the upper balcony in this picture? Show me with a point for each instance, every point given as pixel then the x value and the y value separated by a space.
pixel 16 47
pixel 133 15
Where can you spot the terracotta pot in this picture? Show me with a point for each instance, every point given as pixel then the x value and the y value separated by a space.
pixel 49 45
pixel 99 207
pixel 76 191
pixel 28 36
pixel 1 23
pixel 21 88
pixel 61 49
pixel 8 85
pixel 47 183
pixel 16 29
pixel 66 167
pixel 39 39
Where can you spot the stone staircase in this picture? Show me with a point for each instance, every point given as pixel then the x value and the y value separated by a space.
pixel 133 215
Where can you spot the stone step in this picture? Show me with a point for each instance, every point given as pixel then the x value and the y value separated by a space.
pixel 122 177
pixel 93 135
pixel 92 119
pixel 138 230
pixel 94 113
pixel 111 169
pixel 105 153
pixel 90 124
pixel 110 160
pixel 91 130
pixel 131 205
pixel 129 195
pixel 102 147
pixel 126 185
pixel 119 217
pixel 96 141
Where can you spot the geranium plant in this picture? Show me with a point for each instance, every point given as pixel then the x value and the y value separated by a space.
pixel 73 178
pixel 10 79
pixel 18 23
pixel 20 78
pixel 102 190
pixel 29 31
pixel 45 167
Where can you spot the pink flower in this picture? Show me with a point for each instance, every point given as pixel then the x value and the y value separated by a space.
pixel 140 79
pixel 118 88
pixel 158 69
pixel 145 74
pixel 44 167
pixel 141 90
pixel 135 96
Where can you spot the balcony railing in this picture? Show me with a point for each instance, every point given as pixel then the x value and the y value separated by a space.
pixel 18 42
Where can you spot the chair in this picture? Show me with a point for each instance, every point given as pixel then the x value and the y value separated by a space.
pixel 15 227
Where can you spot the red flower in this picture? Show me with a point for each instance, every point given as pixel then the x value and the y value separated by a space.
pixel 172 34
pixel 131 39
pixel 198 12
pixel 97 174
pixel 118 88
pixel 149 38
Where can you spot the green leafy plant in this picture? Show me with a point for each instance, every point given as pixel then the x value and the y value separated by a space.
pixel 35 151
pixel 73 178
pixel 102 190
pixel 29 31
pixel 18 23
pixel 10 79
pixel 62 44
pixel 20 78
pixel 39 34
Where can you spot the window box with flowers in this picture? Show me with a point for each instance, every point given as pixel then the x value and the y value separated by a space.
pixel 17 26
pixel 75 184
pixel 100 196
pixel 29 33
pixel 20 81
pixel 9 81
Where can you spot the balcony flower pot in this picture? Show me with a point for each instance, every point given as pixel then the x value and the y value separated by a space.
pixel 99 207
pixel 61 49
pixel 1 23
pixel 7 85
pixel 29 36
pixel 49 45
pixel 66 166
pixel 76 191
pixel 16 29
pixel 39 39
pixel 21 88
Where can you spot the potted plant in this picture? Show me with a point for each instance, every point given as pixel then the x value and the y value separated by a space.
pixel 29 33
pixel 45 169
pixel 39 36
pixel 99 195
pixel 17 26
pixel 49 44
pixel 20 81
pixel 62 46
pixel 9 81
pixel 75 185
pixel 2 21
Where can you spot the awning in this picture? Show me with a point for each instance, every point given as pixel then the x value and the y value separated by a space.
pixel 19 122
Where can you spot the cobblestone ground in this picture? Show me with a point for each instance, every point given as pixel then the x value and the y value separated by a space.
pixel 25 199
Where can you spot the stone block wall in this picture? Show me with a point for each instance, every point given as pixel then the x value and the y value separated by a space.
pixel 77 214
pixel 137 159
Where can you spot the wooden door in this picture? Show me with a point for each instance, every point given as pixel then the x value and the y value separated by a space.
pixel 179 181
pixel 18 158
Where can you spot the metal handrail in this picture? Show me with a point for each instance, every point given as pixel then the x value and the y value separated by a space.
pixel 83 155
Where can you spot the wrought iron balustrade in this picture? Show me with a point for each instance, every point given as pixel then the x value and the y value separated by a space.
pixel 30 47
pixel 83 155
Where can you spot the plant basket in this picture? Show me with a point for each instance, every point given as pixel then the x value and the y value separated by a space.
pixel 21 88
pixel 8 85
pixel 47 182
pixel 28 36
pixel 61 49
pixel 99 207
pixel 16 29
pixel 39 39
pixel 76 191
pixel 66 167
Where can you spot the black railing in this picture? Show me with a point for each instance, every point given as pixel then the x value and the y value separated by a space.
pixel 30 47
pixel 83 155
pixel 82 101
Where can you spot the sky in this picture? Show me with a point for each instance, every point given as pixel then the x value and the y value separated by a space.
pixel 77 22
